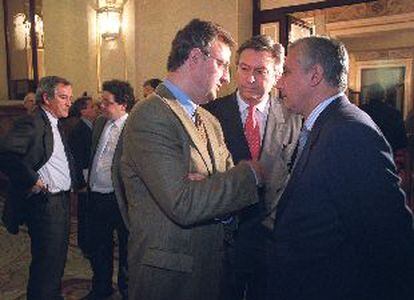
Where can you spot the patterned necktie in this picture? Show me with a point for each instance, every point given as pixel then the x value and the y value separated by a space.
pixel 303 137
pixel 109 146
pixel 252 133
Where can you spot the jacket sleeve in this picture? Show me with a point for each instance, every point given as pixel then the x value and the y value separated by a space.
pixel 155 149
pixel 13 150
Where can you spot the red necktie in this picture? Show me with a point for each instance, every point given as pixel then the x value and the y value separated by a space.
pixel 252 133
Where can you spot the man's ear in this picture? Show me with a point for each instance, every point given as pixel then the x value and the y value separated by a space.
pixel 317 74
pixel 194 56
pixel 45 99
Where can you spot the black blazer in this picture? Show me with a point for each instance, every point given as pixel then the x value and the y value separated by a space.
pixel 80 139
pixel 342 230
pixel 24 150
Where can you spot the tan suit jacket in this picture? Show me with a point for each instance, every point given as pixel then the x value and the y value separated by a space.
pixel 176 239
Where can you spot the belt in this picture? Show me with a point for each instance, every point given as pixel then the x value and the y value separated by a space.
pixel 60 193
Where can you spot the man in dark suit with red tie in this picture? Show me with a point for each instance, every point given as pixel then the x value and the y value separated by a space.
pixel 37 160
pixel 342 230
pixel 255 126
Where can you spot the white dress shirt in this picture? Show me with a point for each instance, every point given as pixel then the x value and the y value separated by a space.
pixel 101 175
pixel 55 172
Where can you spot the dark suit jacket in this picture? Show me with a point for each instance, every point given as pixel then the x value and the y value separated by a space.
pixel 342 230
pixel 80 139
pixel 26 148
pixel 279 141
pixel 175 246
pixel 98 128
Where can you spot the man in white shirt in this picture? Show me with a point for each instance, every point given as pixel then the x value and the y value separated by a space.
pixel 38 162
pixel 108 210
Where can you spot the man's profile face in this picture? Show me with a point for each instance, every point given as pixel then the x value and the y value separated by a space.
pixel 294 83
pixel 213 72
pixel 255 75
pixel 90 111
pixel 110 108
pixel 30 102
pixel 59 105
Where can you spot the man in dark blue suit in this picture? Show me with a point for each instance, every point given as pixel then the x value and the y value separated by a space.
pixel 342 230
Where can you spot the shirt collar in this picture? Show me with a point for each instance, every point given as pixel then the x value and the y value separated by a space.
pixel 119 123
pixel 185 101
pixel 310 121
pixel 52 119
pixel 87 122
pixel 261 107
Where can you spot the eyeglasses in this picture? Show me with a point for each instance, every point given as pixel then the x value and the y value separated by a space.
pixel 220 63
pixel 106 102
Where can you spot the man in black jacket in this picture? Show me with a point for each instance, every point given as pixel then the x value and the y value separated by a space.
pixel 37 160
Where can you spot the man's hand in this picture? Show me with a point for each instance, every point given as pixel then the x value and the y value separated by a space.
pixel 39 187
pixel 195 176
pixel 259 172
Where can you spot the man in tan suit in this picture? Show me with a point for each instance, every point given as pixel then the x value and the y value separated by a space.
pixel 176 222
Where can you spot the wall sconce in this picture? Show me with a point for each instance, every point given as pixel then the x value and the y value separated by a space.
pixel 109 22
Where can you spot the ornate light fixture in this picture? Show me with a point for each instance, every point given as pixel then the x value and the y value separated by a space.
pixel 109 15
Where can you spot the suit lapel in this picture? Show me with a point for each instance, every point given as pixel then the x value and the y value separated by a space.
pixel 47 135
pixel 189 126
pixel 96 135
pixel 275 126
pixel 235 129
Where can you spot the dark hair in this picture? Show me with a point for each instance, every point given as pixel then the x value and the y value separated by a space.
pixel 375 92
pixel 153 82
pixel 329 53
pixel 122 91
pixel 262 43
pixel 196 34
pixel 47 85
pixel 77 106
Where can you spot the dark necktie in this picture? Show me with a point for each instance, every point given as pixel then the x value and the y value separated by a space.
pixel 252 133
pixel 303 137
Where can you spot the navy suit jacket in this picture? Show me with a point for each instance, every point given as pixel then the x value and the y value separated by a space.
pixel 342 229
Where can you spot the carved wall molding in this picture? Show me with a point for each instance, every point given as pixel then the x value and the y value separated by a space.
pixel 370 25
pixel 402 53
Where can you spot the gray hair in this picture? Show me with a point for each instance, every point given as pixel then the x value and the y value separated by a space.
pixel 329 53
pixel 47 85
